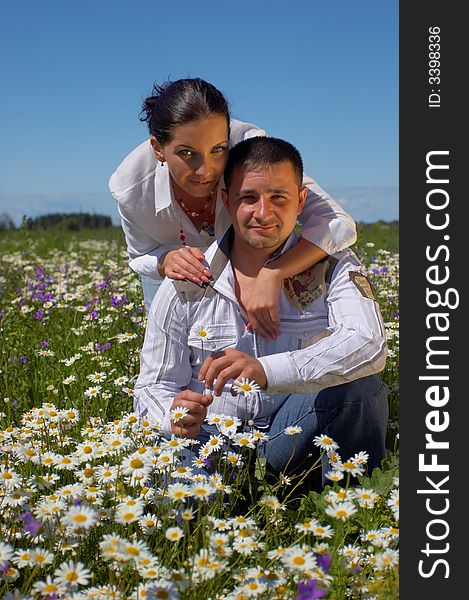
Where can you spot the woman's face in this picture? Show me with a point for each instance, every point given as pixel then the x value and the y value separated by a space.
pixel 196 154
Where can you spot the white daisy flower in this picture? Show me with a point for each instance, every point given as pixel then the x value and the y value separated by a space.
pixel 341 510
pixel 325 442
pixel 201 331
pixel 178 413
pixel 79 517
pixel 71 574
pixel 246 387
pixel 173 534
pixel 292 430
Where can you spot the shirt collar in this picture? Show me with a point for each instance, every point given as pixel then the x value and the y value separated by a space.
pixel 163 188
pixel 218 255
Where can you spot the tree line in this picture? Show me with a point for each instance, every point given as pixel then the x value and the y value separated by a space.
pixel 58 221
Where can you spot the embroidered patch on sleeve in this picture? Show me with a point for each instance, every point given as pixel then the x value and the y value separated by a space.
pixel 363 284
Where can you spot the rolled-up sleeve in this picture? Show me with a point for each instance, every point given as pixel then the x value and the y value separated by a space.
pixel 324 222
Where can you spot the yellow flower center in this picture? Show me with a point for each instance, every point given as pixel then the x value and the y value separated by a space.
pixel 298 560
pixel 136 463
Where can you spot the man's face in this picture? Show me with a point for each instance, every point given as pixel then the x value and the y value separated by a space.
pixel 264 203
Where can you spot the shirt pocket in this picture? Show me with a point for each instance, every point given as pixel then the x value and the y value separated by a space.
pixel 206 339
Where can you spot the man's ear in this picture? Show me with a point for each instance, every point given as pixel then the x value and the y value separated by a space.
pixel 225 198
pixel 157 148
pixel 302 198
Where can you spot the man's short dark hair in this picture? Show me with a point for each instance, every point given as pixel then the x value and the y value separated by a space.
pixel 262 151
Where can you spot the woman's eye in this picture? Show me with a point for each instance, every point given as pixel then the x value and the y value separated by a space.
pixel 186 153
pixel 219 149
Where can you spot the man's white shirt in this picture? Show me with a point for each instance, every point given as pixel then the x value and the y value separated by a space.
pixel 337 338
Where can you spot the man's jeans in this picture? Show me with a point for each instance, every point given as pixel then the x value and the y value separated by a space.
pixel 355 415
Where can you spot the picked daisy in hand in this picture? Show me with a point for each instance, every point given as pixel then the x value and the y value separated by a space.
pixel 246 387
pixel 178 413
pixel 201 331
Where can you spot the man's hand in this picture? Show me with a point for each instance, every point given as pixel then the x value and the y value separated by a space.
pixel 231 364
pixel 197 405
pixel 263 303
pixel 184 263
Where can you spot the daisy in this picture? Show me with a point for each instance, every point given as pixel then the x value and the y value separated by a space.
pixel 71 574
pixel 149 523
pixel 306 526
pixel 350 466
pixel 92 392
pixel 96 377
pixel 334 476
pixel 122 380
pixel 182 472
pixel 299 559
pixel 22 558
pixel 325 442
pixel 179 491
pixel 178 413
pixel 341 510
pixel 41 557
pixel 70 379
pixel 292 430
pixel 246 387
pixel 173 534
pixel 9 479
pixel 201 331
pixel 244 440
pixel 202 491
pixel 128 514
pixel 48 588
pixel 229 425
pixel 214 443
pixel 233 458
pixel 323 531
pixel 79 517
pixel 106 473
pixel 271 502
pixel 366 498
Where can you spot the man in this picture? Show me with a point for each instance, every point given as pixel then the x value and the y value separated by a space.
pixel 318 375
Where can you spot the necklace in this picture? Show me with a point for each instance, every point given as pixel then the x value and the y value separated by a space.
pixel 209 221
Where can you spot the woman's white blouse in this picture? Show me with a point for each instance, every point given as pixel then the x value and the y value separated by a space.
pixel 152 219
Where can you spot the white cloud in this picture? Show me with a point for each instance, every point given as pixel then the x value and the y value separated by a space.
pixel 368 204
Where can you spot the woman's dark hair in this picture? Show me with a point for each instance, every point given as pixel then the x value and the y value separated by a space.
pixel 261 152
pixel 175 103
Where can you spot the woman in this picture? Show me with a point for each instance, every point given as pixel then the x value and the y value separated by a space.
pixel 168 194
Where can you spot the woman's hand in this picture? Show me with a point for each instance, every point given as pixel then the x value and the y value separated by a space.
pixel 263 303
pixel 184 263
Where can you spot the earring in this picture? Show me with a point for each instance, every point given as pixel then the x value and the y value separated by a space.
pixel 162 163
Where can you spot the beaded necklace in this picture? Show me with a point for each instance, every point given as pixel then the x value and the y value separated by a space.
pixel 209 221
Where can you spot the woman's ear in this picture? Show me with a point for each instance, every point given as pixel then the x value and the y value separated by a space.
pixel 157 148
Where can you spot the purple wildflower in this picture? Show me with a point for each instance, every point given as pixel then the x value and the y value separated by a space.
pixel 309 591
pixel 24 359
pixel 39 315
pixel 31 525
pixel 324 561
pixel 44 344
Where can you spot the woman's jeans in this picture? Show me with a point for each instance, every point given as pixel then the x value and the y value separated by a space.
pixel 149 287
pixel 355 415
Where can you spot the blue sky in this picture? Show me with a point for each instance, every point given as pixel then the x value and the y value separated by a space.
pixel 323 75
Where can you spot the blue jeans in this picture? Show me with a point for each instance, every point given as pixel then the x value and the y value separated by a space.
pixel 355 415
pixel 149 287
